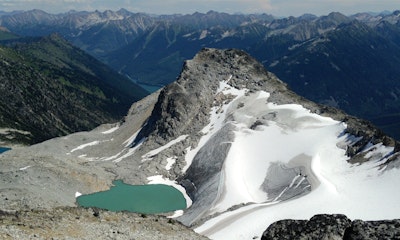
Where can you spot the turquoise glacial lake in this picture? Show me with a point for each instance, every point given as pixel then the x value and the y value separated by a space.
pixel 4 149
pixel 149 199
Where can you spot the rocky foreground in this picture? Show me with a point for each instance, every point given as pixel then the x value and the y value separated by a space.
pixel 79 223
pixel 332 227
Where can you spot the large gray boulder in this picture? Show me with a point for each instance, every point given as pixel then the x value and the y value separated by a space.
pixel 332 227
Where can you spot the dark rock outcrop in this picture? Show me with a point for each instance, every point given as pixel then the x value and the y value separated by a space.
pixel 334 226
pixel 373 230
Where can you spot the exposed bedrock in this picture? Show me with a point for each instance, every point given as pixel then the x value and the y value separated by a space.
pixel 334 226
pixel 283 183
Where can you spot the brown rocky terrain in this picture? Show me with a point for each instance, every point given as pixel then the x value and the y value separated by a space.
pixel 78 223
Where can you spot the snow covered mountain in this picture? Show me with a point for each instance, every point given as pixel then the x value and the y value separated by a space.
pixel 244 150
pixel 95 32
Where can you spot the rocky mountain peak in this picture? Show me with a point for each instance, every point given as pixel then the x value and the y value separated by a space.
pixel 337 16
pixel 184 105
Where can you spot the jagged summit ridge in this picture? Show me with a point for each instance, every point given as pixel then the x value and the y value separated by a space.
pixel 196 87
pixel 184 106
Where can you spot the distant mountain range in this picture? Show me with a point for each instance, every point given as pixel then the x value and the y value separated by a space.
pixel 50 88
pixel 350 62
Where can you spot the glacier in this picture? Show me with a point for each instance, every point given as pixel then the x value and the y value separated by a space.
pixel 294 137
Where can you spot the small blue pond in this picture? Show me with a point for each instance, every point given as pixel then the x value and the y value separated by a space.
pixel 150 199
pixel 4 149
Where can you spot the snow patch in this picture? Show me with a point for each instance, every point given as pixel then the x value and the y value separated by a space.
pixel 111 158
pixel 24 168
pixel 378 151
pixel 203 34
pixel 84 146
pixel 228 34
pixel 274 63
pixel 129 141
pixel 170 162
pixel 263 95
pixel 176 214
pixel 111 130
pixel 130 152
pixel 148 156
pixel 158 179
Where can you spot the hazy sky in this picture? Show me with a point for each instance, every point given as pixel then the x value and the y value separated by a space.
pixel 275 7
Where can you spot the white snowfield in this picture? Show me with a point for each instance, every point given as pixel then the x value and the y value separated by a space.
pixel 292 136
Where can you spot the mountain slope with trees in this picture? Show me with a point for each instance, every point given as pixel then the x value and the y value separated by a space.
pixel 50 88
